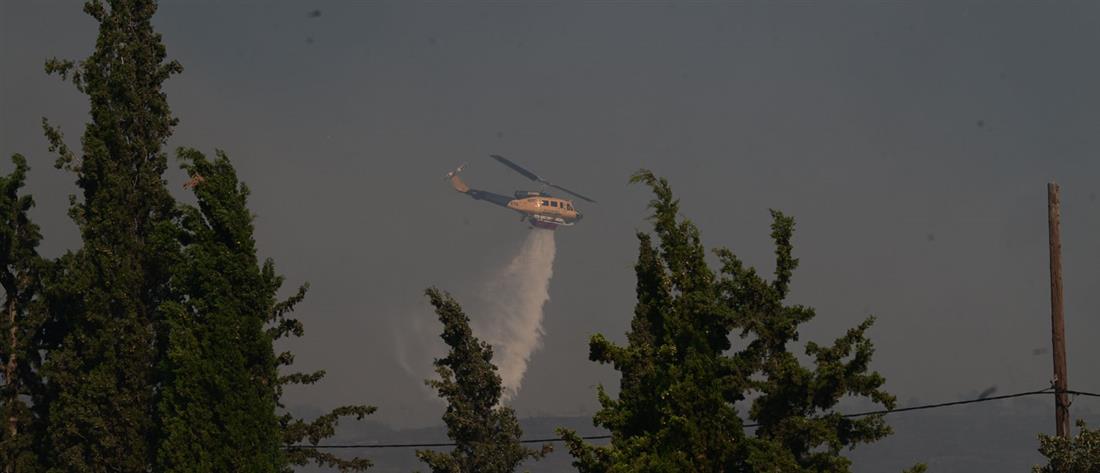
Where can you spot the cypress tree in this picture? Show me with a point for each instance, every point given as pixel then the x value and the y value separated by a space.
pixel 675 408
pixel 20 277
pixel 682 376
pixel 217 406
pixel 100 367
pixel 799 429
pixel 486 434
pixel 221 387
pixel 221 383
pixel 160 329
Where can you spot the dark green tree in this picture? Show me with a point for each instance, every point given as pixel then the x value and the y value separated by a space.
pixel 1077 454
pixel 221 384
pixel 138 376
pixel 681 377
pixel 799 427
pixel 20 277
pixel 486 433
pixel 218 400
pixel 104 307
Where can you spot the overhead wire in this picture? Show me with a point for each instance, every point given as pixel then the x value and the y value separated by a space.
pixel 952 403
pixel 1081 393
pixel 607 436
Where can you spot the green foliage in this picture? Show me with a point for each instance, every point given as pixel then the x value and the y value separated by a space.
pixel 217 403
pixel 682 378
pixel 485 432
pixel 106 301
pixel 222 385
pixel 675 408
pixel 160 329
pixel 1078 454
pixel 297 431
pixel 20 277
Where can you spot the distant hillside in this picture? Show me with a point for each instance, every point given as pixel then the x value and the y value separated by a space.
pixel 403 460
pixel 995 437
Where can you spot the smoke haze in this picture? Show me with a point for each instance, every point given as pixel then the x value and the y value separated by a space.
pixel 911 141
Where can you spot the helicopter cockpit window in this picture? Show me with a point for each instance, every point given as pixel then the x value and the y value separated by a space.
pixel 569 206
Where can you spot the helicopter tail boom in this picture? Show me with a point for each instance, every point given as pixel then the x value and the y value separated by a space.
pixel 460 186
pixel 477 194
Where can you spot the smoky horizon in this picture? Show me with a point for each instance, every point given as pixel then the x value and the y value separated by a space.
pixel 911 143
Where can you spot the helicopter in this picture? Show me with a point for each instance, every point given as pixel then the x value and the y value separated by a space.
pixel 537 208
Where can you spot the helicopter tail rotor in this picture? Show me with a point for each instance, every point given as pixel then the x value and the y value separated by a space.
pixel 455 172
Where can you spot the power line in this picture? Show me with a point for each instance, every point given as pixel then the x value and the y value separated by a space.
pixel 1082 393
pixel 605 437
pixel 953 403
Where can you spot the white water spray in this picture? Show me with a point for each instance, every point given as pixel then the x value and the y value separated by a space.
pixel 512 319
pixel 505 312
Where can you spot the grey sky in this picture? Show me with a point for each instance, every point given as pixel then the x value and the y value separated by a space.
pixel 911 142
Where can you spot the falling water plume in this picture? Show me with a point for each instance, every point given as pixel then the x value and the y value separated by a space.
pixel 514 298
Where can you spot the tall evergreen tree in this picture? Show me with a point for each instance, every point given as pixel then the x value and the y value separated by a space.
pixel 799 428
pixel 486 434
pixel 221 386
pixel 676 410
pixel 20 277
pixel 217 403
pixel 100 368
pixel 160 328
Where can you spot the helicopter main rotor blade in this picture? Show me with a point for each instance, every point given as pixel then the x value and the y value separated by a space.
pixel 571 192
pixel 534 177
pixel 517 168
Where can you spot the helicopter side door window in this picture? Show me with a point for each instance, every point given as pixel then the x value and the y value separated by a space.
pixel 553 203
pixel 545 203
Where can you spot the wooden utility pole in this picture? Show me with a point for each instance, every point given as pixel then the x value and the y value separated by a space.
pixel 1057 323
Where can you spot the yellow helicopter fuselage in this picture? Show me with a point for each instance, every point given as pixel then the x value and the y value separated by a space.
pixel 546 211
pixel 539 209
pixel 545 205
